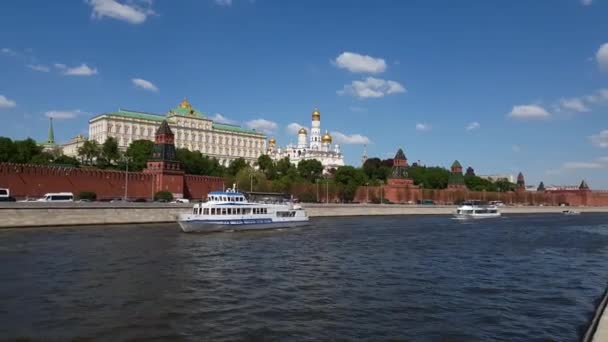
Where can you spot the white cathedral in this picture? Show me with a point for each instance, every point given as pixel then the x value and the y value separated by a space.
pixel 317 147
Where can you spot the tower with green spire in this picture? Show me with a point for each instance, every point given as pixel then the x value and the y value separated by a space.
pixel 51 137
pixel 49 145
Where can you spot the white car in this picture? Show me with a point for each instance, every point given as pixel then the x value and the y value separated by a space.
pixel 181 200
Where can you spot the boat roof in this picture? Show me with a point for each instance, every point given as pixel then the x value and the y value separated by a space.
pixel 225 193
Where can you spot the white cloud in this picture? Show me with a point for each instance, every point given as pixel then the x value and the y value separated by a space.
pixel 60 66
pixel 262 125
pixel 423 127
pixel 6 102
pixel 39 67
pixel 217 117
pixel 600 139
pixel 293 128
pixel 8 51
pixel 352 139
pixel 529 112
pixel 143 84
pixel 602 57
pixel 372 87
pixel 82 70
pixel 600 96
pixel 473 125
pixel 133 12
pixel 63 114
pixel 582 165
pixel 586 2
pixel 355 62
pixel 224 2
pixel 574 104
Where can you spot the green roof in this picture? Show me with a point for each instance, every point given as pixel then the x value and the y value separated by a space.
pixel 456 164
pixel 186 112
pixel 159 118
pixel 136 115
pixel 234 128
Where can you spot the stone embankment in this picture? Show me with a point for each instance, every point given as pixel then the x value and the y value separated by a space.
pixel 13 215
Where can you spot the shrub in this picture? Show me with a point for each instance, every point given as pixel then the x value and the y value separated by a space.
pixel 308 197
pixel 163 196
pixel 87 195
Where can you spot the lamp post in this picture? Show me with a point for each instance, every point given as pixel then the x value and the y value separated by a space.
pixel 126 159
pixel 327 190
pixel 317 189
pixel 366 193
pixel 381 192
pixel 251 181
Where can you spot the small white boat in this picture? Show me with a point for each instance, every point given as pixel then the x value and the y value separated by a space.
pixel 230 211
pixel 475 210
pixel 571 212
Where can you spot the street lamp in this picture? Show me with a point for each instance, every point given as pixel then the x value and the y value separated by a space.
pixel 367 193
pixel 251 181
pixel 381 192
pixel 126 159
pixel 327 190
pixel 318 180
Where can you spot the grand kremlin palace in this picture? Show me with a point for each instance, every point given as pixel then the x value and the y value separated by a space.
pixel 192 129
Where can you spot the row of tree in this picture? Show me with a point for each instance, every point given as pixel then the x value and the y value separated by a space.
pixel 265 175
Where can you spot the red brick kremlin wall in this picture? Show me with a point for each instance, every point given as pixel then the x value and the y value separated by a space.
pixel 448 196
pixel 34 181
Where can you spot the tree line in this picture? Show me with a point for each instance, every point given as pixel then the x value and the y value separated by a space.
pixel 266 175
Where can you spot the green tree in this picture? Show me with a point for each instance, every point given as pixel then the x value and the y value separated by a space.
pixel 283 166
pixel 138 152
pixel 236 166
pixel 25 150
pixel 89 151
pixel 109 150
pixel 43 158
pixel 7 150
pixel 310 169
pixel 65 160
pixel 266 165
pixel 348 179
pixel 248 178
pixel 163 196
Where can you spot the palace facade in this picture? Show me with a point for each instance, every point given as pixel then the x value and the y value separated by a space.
pixel 193 131
pixel 316 146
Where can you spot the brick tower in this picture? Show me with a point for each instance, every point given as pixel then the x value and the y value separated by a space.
pixel 456 180
pixel 399 176
pixel 521 183
pixel 168 175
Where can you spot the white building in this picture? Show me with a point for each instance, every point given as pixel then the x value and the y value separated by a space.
pixel 316 146
pixel 192 129
pixel 70 148
pixel 494 178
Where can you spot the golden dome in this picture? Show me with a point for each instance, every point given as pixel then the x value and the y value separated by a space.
pixel 185 104
pixel 326 138
pixel 272 141
pixel 302 131
pixel 316 115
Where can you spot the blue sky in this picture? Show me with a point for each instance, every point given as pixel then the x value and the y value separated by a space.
pixel 503 86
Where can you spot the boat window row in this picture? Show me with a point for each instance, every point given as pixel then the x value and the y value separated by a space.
pixel 230 211
pixel 286 213
pixel 218 198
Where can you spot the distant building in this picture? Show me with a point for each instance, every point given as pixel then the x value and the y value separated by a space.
pixel 70 148
pixel 49 145
pixel 193 131
pixel 316 147
pixel 470 172
pixel 494 178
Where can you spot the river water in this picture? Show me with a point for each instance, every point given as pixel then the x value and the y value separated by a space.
pixel 414 278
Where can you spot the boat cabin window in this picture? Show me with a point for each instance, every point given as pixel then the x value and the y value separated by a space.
pixel 286 213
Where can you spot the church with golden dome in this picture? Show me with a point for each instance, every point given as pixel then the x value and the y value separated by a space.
pixel 314 146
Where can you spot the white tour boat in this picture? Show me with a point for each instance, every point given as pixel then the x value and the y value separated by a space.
pixel 474 210
pixel 230 210
pixel 571 212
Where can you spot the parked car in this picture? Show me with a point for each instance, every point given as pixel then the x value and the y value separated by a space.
pixel 181 200
pixel 57 197
pixel 5 195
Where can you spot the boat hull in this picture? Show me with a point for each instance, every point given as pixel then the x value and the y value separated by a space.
pixel 475 216
pixel 202 226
